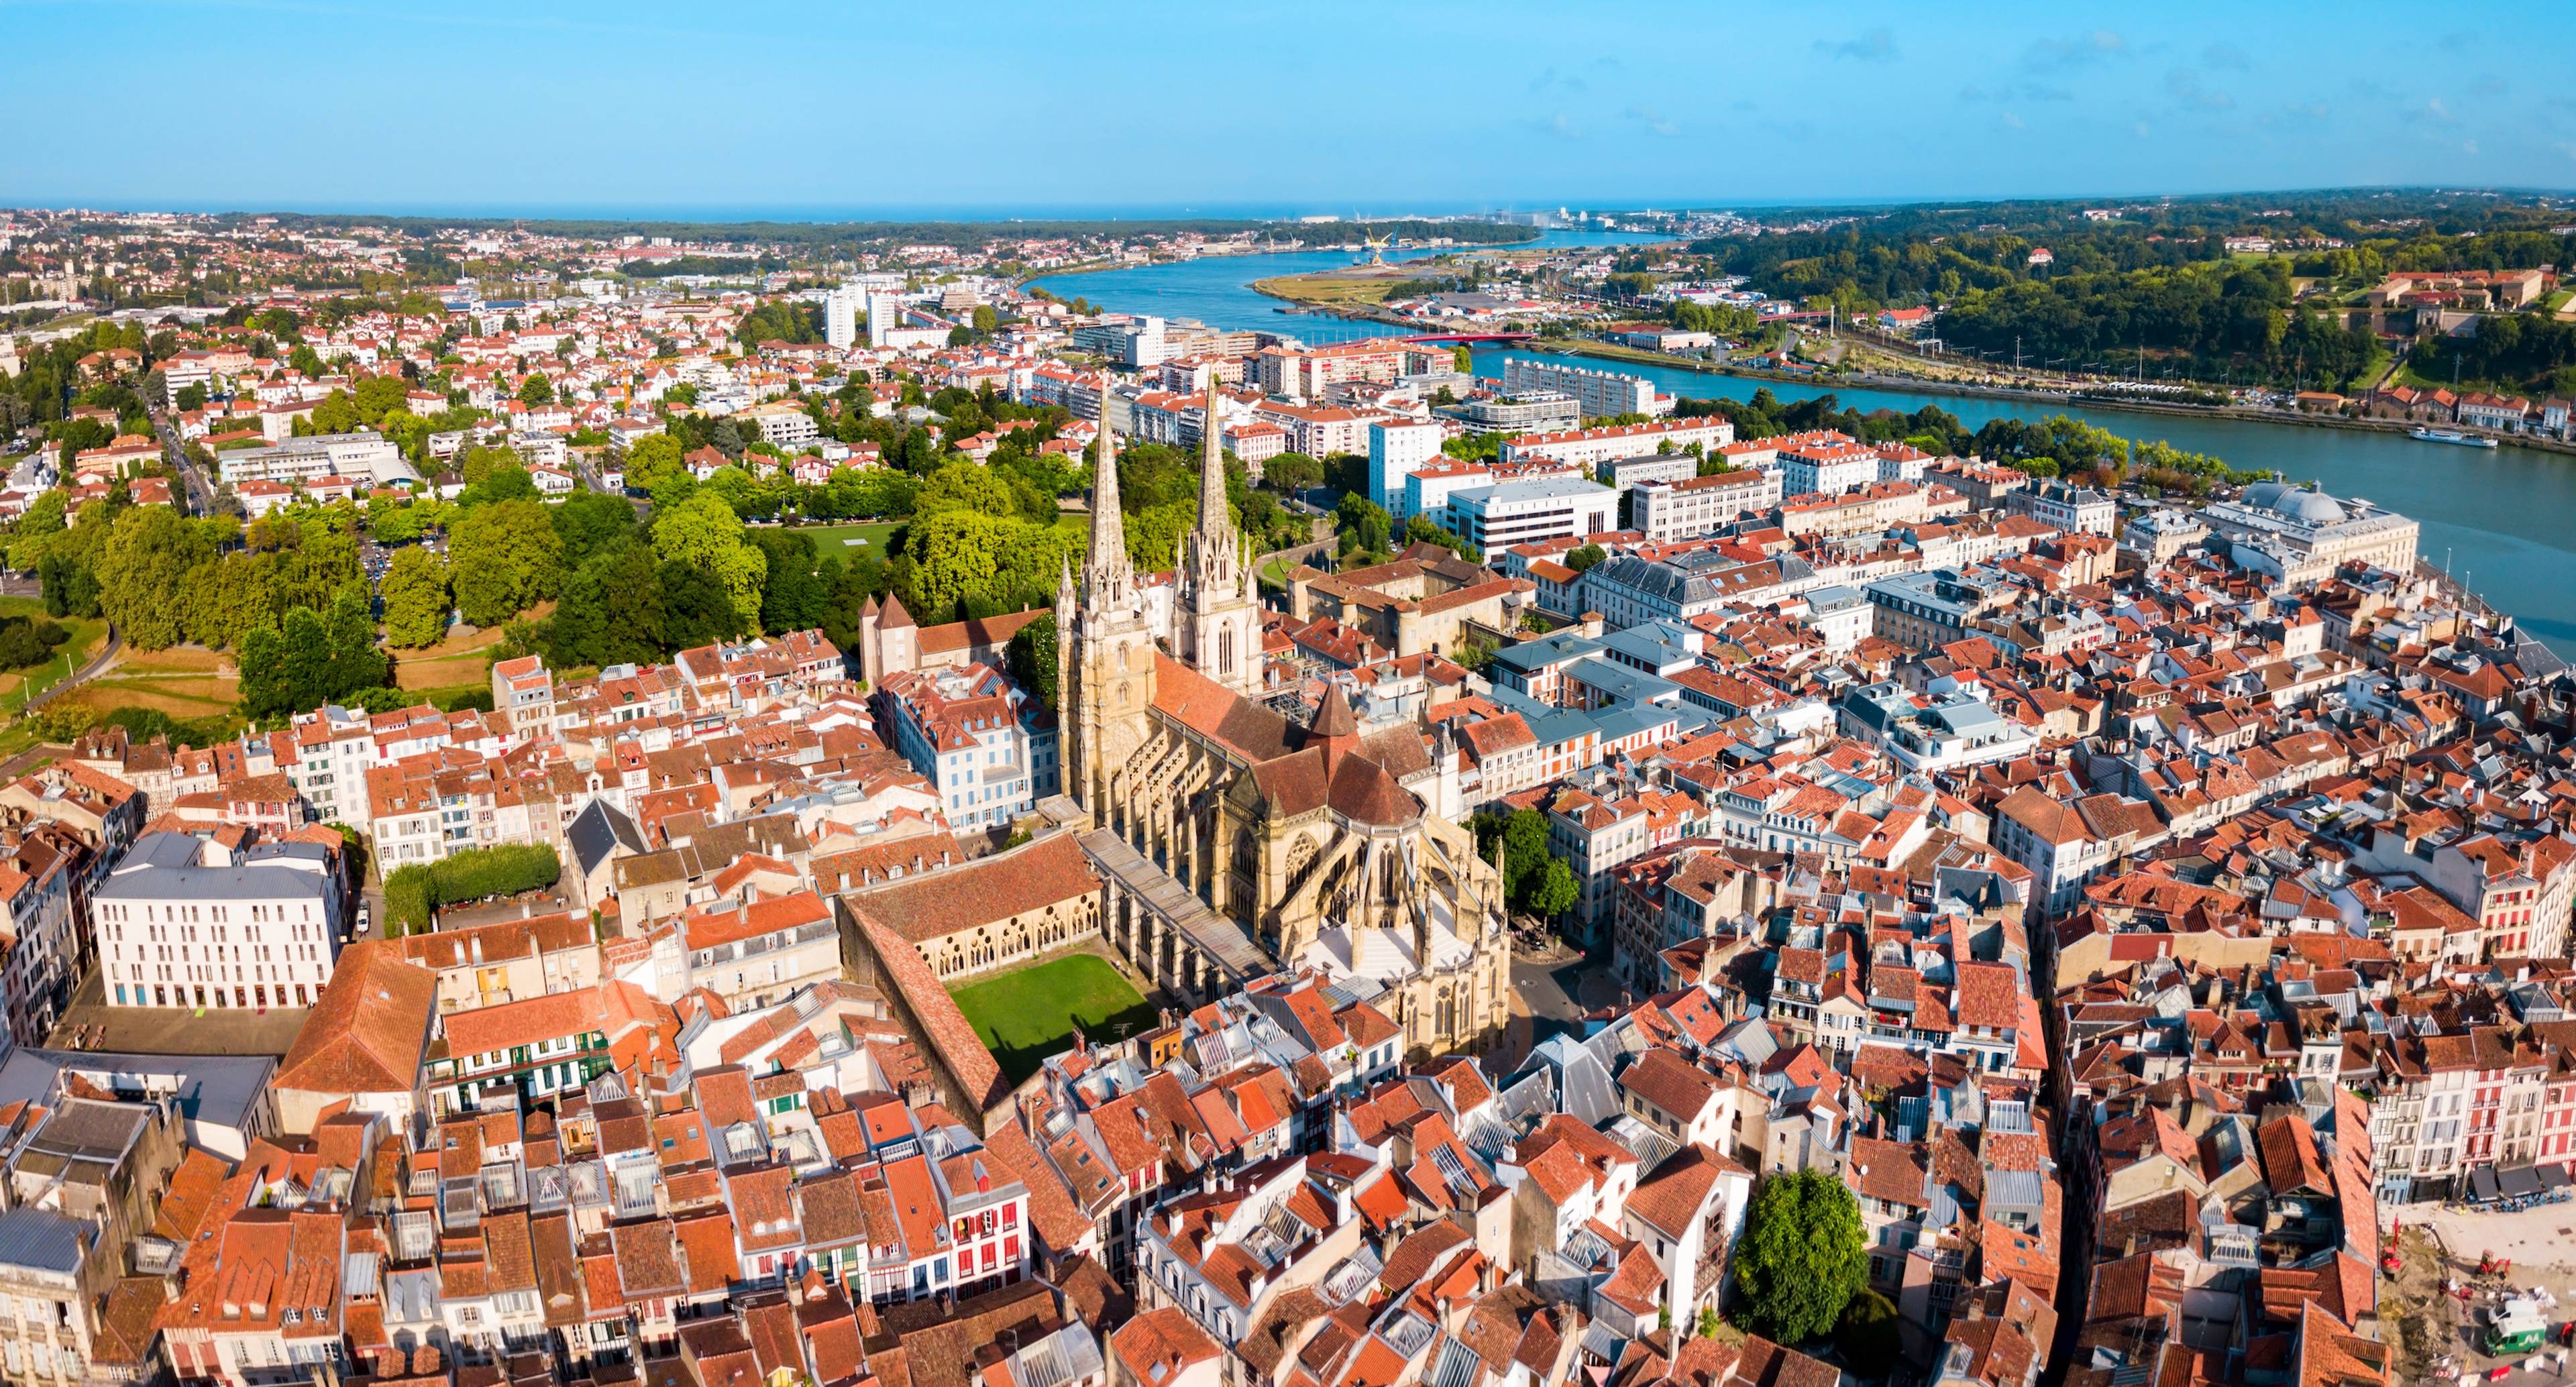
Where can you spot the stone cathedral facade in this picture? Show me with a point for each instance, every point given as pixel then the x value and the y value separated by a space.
pixel 1306 837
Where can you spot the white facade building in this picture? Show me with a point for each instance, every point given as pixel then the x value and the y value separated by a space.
pixel 1498 517
pixel 1396 451
pixel 841 318
pixel 987 746
pixel 186 922
pixel 1827 469
pixel 1600 394
pixel 1669 511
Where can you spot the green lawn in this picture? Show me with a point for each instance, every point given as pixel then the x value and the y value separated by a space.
pixel 1027 1015
pixel 87 635
pixel 850 541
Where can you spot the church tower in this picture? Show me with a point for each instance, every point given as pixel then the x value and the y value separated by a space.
pixel 1104 649
pixel 1220 613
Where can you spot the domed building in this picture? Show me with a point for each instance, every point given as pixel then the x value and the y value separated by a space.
pixel 2301 535
pixel 1309 843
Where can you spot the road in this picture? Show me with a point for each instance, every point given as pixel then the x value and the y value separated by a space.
pixel 201 492
pixel 98 663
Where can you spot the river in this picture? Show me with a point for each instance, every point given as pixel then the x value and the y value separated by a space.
pixel 2504 519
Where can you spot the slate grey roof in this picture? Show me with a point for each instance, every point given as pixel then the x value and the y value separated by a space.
pixel 40 1240
pixel 163 867
pixel 601 832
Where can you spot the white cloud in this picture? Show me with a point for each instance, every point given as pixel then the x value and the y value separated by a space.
pixel 1876 46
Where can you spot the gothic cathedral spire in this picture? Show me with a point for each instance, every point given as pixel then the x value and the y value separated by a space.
pixel 1220 626
pixel 1108 578
pixel 1216 518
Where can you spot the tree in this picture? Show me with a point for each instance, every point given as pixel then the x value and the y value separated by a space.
pixel 1292 472
pixel 1584 557
pixel 653 458
pixel 351 659
pixel 1556 891
pixel 958 556
pixel 612 612
pixel 536 390
pixel 1154 536
pixel 1803 1256
pixel 590 522
pixel 1868 1336
pixel 1463 360
pixel 696 609
pixel 1524 850
pixel 794 595
pixel 703 534
pixel 966 486
pixel 507 558
pixel 1033 658
pixel 142 567
pixel 416 596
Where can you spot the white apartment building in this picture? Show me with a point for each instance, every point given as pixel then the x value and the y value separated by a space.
pixel 325 755
pixel 2068 508
pixel 1396 450
pixel 1318 431
pixel 1827 469
pixel 186 922
pixel 987 746
pixel 1589 448
pixel 1599 394
pixel 1500 516
pixel 1668 511
pixel 841 317
pixel 305 459
pixel 782 425
pixel 885 317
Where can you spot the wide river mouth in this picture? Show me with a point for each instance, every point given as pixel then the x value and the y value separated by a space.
pixel 2504 519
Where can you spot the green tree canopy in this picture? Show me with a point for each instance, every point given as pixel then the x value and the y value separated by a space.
pixel 1803 1256
pixel 703 534
pixel 1033 658
pixel 416 598
pixel 506 559
pixel 143 566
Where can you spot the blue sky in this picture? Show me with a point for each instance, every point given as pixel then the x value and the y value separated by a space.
pixel 1044 108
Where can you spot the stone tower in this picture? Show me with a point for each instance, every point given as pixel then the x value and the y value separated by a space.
pixel 1104 648
pixel 1219 619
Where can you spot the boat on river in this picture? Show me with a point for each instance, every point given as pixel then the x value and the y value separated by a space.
pixel 2465 440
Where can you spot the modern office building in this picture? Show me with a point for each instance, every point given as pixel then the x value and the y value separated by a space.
pixel 1509 513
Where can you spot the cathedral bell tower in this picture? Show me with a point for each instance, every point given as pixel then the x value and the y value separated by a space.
pixel 1104 648
pixel 1220 613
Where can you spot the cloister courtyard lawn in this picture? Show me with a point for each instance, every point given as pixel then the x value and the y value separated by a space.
pixel 1028 1014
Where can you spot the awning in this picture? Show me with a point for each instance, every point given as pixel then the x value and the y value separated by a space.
pixel 2482 1184
pixel 2554 1177
pixel 2518 1182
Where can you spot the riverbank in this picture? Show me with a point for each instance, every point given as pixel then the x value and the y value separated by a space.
pixel 2068 400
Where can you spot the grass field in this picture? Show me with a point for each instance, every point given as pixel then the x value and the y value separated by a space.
pixel 455 660
pixel 1027 1015
pixel 1358 286
pixel 183 681
pixel 850 541
pixel 20 685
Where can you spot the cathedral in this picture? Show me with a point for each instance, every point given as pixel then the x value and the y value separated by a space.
pixel 1309 838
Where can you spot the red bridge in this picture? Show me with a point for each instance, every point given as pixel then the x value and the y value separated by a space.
pixel 1499 339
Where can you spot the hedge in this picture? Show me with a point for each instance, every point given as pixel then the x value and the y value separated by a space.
pixel 506 869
